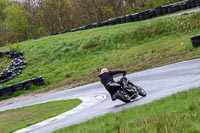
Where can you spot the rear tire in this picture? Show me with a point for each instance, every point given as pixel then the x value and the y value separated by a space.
pixel 141 91
pixel 121 96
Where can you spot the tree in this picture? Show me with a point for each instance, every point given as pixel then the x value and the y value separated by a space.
pixel 36 28
pixel 55 15
pixel 16 22
pixel 5 36
pixel 90 11
pixel 3 5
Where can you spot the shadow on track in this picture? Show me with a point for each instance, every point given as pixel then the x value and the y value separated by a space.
pixel 122 104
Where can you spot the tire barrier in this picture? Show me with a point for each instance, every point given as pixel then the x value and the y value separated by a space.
pixel 38 81
pixel 175 8
pixel 158 11
pixel 1 54
pixel 9 90
pixel 197 2
pixel 129 18
pixel 195 41
pixel 135 17
pixel 147 14
pixel 4 91
pixel 152 13
pixel 165 10
pixel 14 69
pixel 16 66
pixel 112 21
pixel 105 23
pixel 140 16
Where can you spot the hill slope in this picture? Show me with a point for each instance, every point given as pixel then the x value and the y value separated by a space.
pixel 75 58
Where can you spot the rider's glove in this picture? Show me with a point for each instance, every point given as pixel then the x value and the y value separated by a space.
pixel 124 73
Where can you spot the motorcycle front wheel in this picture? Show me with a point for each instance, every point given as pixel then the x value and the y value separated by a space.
pixel 141 91
pixel 121 96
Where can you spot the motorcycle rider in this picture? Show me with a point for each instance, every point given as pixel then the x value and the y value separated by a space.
pixel 106 77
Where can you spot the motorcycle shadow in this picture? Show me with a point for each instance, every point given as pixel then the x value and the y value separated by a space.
pixel 122 104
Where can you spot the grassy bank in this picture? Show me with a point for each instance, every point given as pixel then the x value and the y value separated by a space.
pixel 4 62
pixel 73 59
pixel 179 113
pixel 16 119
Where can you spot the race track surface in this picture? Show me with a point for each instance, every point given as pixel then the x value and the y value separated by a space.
pixel 158 83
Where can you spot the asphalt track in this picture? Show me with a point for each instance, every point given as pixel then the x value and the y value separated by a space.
pixel 158 83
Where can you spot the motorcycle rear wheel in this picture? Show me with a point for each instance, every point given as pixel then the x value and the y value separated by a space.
pixel 121 96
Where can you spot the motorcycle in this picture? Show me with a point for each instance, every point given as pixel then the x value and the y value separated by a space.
pixel 125 90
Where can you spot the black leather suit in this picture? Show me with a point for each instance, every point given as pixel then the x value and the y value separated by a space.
pixel 107 77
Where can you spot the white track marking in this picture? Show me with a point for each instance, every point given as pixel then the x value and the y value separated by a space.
pixel 87 102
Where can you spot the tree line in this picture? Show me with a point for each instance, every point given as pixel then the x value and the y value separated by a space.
pixel 30 19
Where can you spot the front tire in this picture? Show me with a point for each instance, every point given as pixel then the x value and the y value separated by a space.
pixel 141 91
pixel 121 96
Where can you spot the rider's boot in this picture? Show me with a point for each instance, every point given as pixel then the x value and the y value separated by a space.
pixel 113 97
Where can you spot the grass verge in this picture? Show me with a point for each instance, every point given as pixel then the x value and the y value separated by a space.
pixel 179 113
pixel 16 119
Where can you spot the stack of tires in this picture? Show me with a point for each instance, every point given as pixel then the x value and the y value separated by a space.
pixel 195 41
pixel 16 66
pixel 140 16
pixel 25 85
pixel 38 81
pixel 14 69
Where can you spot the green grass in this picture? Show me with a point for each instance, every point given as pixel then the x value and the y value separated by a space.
pixel 16 119
pixel 74 59
pixel 179 113
pixel 4 62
